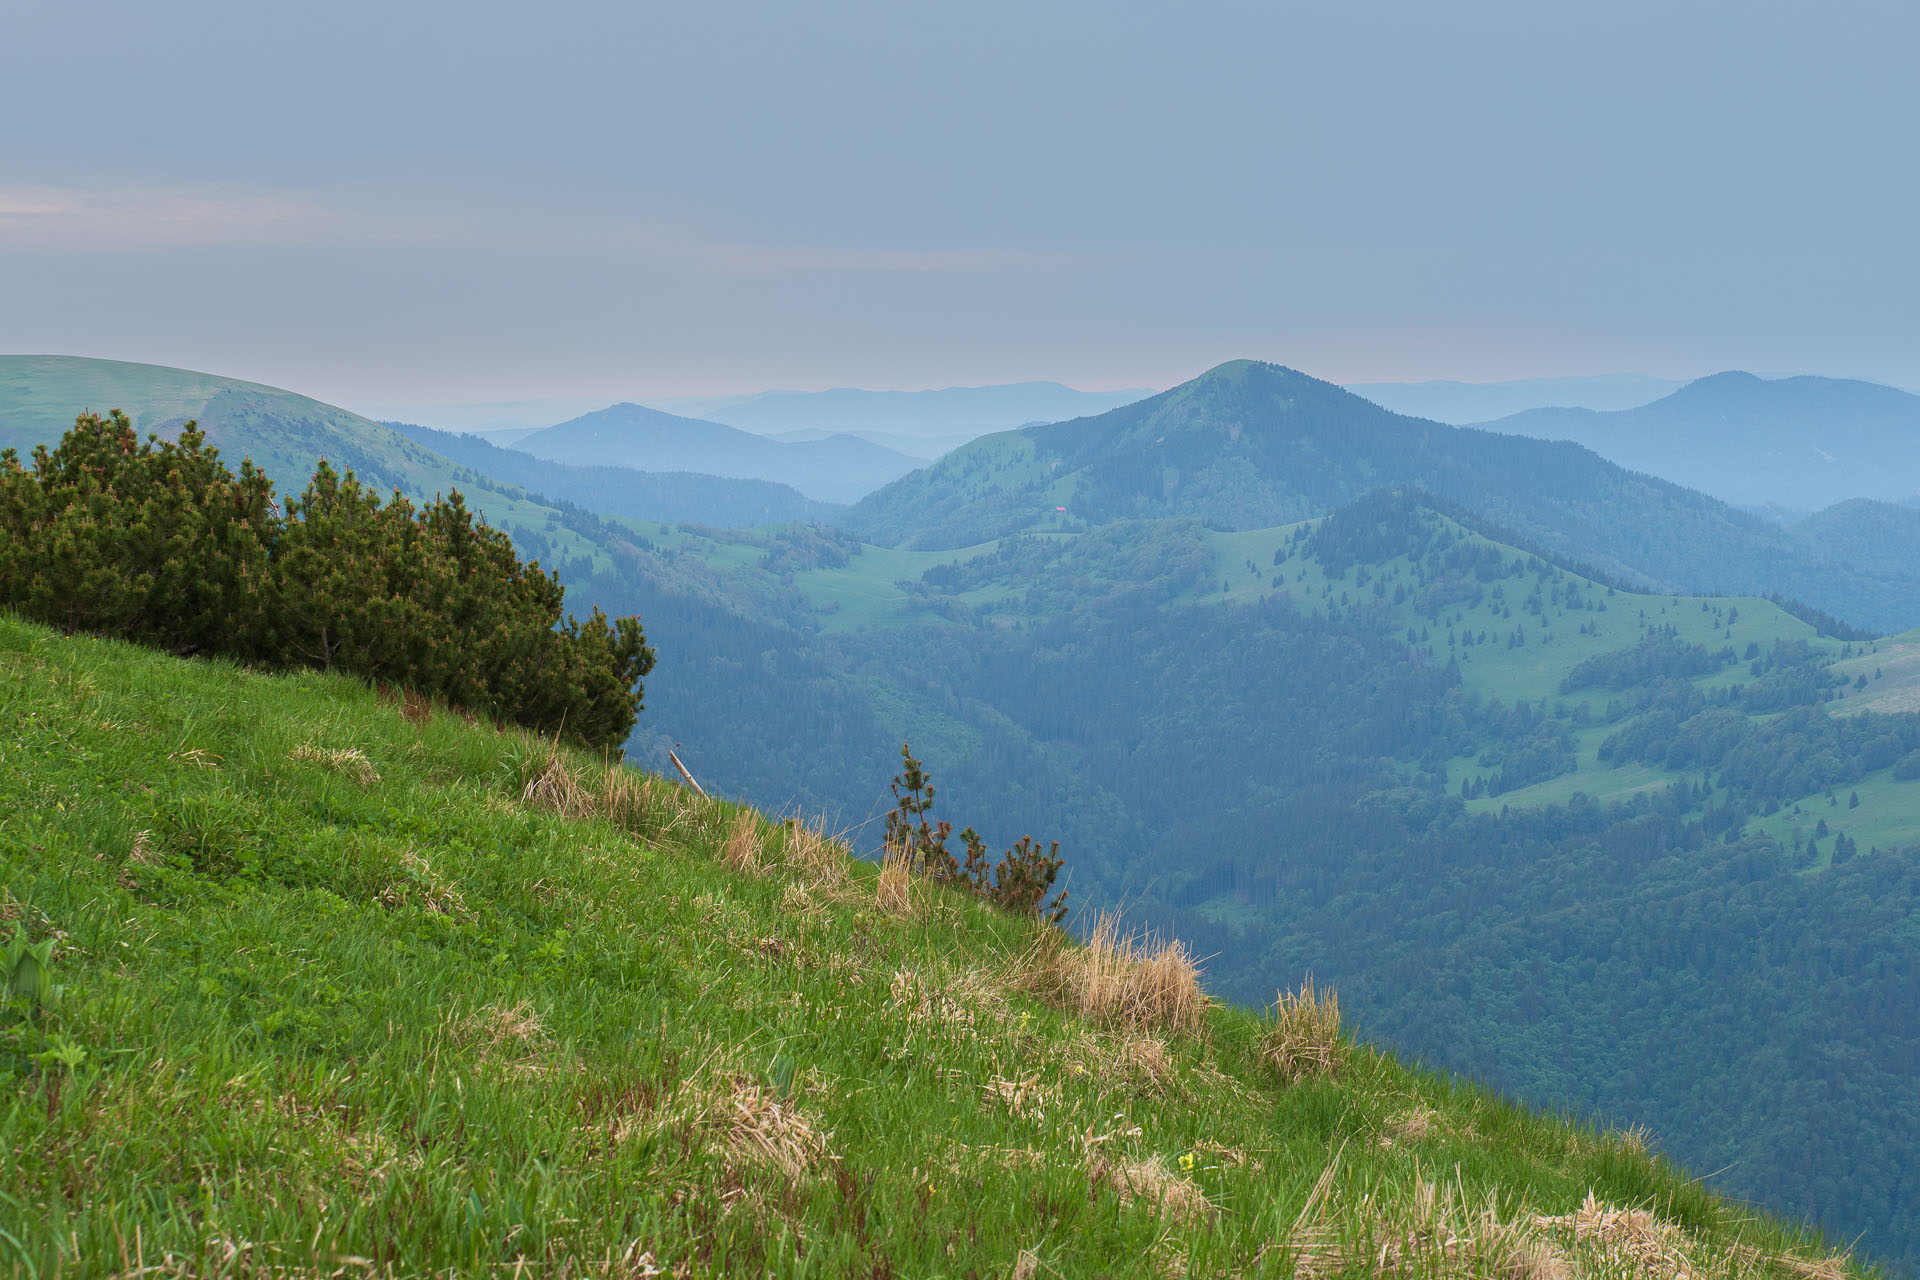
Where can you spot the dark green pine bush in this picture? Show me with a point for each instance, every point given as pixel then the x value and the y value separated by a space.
pixel 160 543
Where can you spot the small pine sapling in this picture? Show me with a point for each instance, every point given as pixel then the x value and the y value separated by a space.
pixel 1019 882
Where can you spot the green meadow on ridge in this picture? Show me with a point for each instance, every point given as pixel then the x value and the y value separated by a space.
pixel 349 985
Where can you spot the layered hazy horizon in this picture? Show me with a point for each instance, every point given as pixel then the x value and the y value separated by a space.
pixel 427 204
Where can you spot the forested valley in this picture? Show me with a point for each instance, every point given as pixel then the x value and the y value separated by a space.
pixel 1300 778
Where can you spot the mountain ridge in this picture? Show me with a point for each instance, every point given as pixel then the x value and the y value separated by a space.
pixel 667 497
pixel 1248 444
pixel 1801 442
pixel 837 469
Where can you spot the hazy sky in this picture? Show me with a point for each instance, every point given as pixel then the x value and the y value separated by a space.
pixel 483 201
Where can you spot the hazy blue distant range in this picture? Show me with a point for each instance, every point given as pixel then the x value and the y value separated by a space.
pixel 1797 444
pixel 923 423
pixel 665 496
pixel 1459 403
pixel 840 468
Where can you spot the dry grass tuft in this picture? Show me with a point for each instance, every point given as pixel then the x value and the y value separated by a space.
pixel 762 1129
pixel 1027 1265
pixel 625 798
pixel 555 786
pixel 1829 1268
pixel 421 885
pixel 1635 1139
pixel 796 901
pixel 818 861
pixel 1126 978
pixel 1026 1099
pixel 742 851
pixel 1631 1238
pixel 198 757
pixel 1144 1063
pixel 1411 1126
pixel 1171 1194
pixel 1431 1233
pixel 1305 1037
pixel 508 1034
pixel 344 760
pixel 893 891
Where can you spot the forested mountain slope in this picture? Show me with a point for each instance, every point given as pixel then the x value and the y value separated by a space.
pixel 1876 537
pixel 1801 443
pixel 1248 445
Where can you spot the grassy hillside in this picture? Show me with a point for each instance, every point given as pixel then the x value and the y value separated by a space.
pixel 354 986
pixel 285 434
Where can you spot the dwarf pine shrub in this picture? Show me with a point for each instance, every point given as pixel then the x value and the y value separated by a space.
pixel 160 543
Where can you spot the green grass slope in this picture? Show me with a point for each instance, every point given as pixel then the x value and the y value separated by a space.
pixel 356 987
pixel 282 432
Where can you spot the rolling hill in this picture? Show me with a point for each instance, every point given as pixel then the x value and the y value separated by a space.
pixel 1798 443
pixel 837 469
pixel 1248 445
pixel 665 496
pixel 1876 537
pixel 284 433
pixel 287 435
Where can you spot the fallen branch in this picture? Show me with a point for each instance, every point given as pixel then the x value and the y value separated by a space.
pixel 683 773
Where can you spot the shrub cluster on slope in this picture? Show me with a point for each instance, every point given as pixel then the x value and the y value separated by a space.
pixel 348 989
pixel 161 543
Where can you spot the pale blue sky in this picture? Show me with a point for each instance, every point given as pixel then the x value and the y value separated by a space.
pixel 483 201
